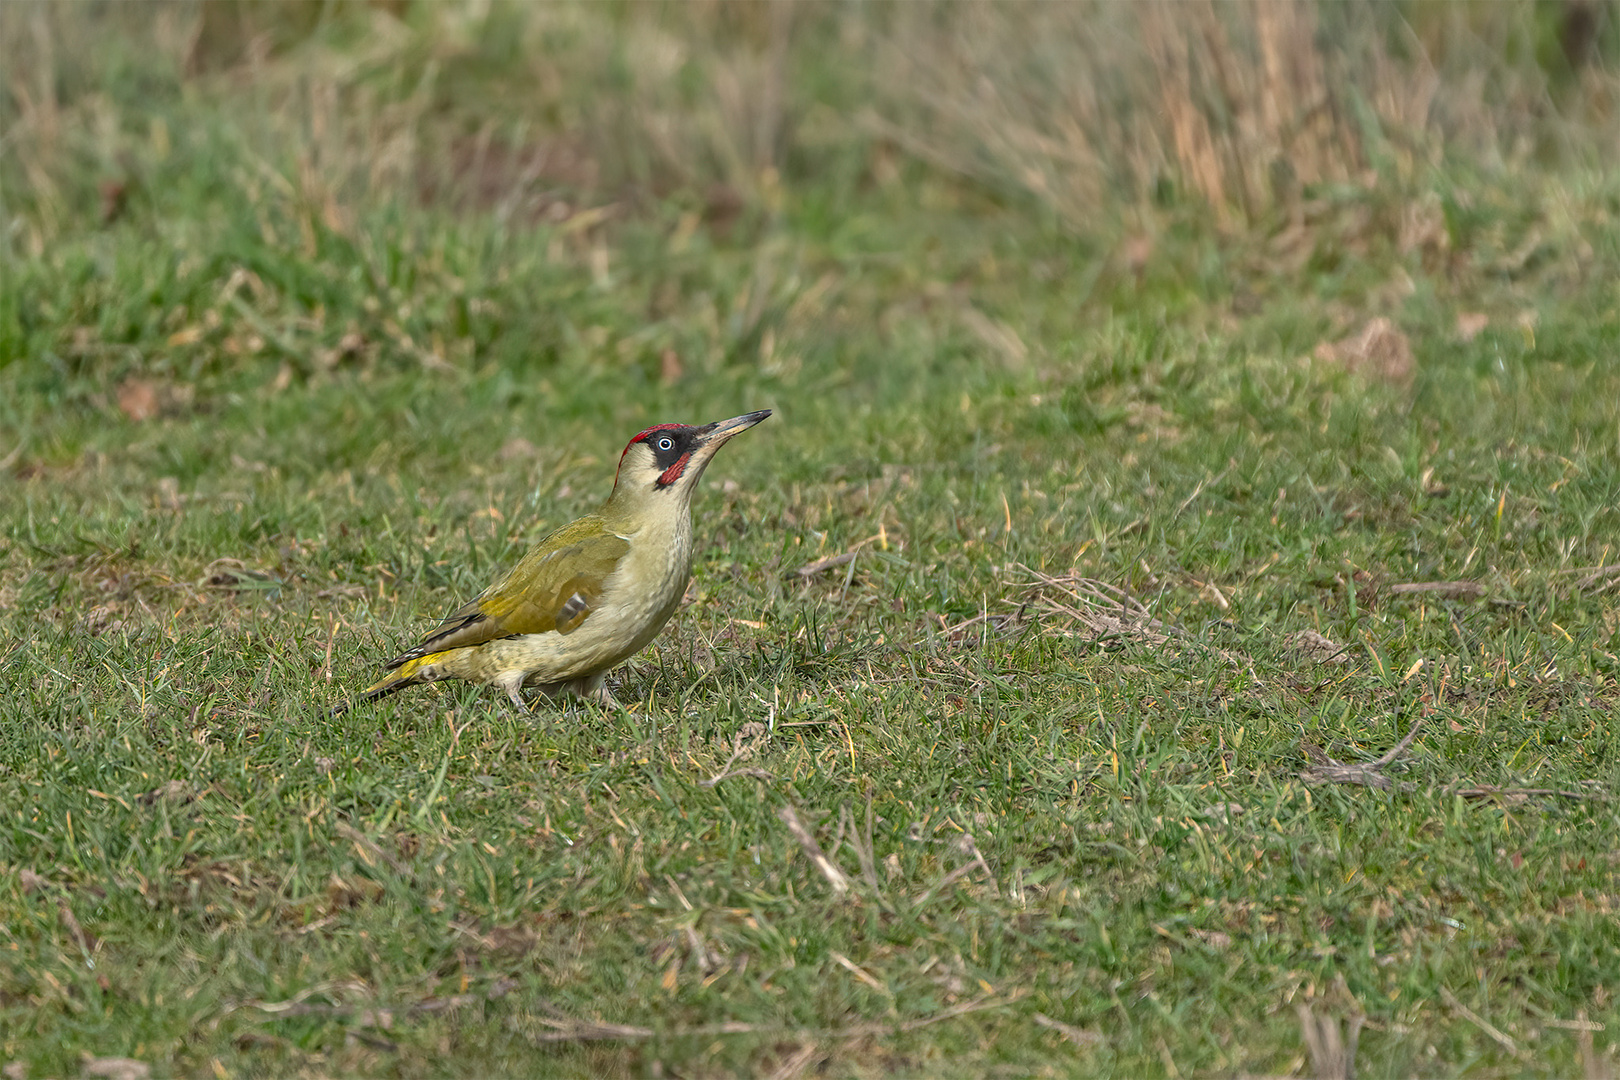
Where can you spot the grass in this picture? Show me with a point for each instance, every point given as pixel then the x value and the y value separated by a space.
pixel 259 429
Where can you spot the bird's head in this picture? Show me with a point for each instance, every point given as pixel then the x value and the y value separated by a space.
pixel 665 462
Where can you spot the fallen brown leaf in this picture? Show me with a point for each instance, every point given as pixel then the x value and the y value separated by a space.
pixel 174 789
pixel 1470 323
pixel 137 399
pixel 1379 351
pixel 1317 647
pixel 516 449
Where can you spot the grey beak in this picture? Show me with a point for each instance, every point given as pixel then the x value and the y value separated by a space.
pixel 718 432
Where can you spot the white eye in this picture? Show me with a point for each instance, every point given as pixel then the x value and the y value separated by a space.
pixel 666 444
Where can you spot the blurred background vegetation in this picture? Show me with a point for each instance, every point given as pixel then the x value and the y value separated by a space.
pixel 1095 113
pixel 1192 151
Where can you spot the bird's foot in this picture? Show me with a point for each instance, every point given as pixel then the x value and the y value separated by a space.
pixel 514 694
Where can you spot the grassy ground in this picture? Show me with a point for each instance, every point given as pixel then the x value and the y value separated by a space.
pixel 258 432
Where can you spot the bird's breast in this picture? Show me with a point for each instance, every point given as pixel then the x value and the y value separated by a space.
pixel 642 592
pixel 637 599
pixel 650 581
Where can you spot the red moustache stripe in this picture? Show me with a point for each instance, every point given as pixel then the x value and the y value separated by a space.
pixel 673 473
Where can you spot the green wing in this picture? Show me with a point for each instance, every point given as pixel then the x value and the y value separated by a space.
pixel 555 587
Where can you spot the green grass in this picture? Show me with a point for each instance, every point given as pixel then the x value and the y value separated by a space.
pixel 252 449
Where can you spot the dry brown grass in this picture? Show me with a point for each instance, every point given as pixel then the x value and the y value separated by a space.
pixel 1095 110
pixel 1086 106
pixel 529 112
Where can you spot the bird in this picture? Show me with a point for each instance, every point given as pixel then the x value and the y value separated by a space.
pixel 589 595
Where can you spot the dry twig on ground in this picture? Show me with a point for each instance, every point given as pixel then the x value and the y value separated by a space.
pixel 1513 795
pixel 1329 771
pixel 1077 1035
pixel 1446 590
pixel 1333 1052
pixel 975 862
pixel 749 741
pixel 831 562
pixel 381 1016
pixel 1597 578
pixel 1104 610
pixel 562 1029
pixel 1501 1038
pixel 812 850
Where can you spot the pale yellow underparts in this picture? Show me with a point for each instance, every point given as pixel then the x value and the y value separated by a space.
pixel 638 598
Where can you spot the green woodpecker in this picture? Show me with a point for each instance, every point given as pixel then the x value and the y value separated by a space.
pixel 591 594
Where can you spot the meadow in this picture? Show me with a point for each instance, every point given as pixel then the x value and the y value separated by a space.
pixel 1168 626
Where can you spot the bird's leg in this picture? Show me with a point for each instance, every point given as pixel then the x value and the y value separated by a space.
pixel 513 683
pixel 596 689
